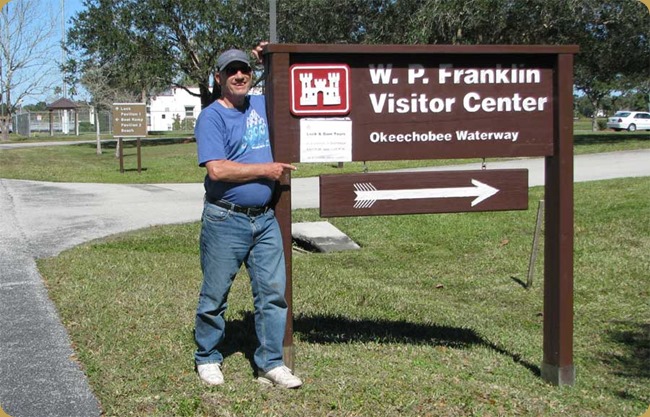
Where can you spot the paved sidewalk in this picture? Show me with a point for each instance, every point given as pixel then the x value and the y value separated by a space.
pixel 38 374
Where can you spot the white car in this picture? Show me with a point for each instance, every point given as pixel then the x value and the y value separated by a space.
pixel 630 120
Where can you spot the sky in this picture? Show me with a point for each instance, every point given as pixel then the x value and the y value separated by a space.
pixel 53 8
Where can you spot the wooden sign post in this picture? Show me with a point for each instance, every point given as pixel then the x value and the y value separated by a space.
pixel 339 103
pixel 129 121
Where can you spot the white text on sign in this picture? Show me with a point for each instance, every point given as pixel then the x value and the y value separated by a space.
pixel 471 102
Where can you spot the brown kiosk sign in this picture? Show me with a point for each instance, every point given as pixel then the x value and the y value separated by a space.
pixel 129 121
pixel 338 103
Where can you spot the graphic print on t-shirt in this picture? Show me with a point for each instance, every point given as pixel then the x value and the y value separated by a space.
pixel 256 135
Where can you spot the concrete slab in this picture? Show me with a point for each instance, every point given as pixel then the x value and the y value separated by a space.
pixel 321 237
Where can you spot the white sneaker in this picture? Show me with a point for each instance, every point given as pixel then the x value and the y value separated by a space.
pixel 280 376
pixel 210 373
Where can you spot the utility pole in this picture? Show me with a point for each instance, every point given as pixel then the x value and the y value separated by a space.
pixel 273 33
pixel 2 83
pixel 65 92
pixel 2 94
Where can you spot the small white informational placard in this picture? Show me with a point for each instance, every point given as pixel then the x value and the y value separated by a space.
pixel 326 139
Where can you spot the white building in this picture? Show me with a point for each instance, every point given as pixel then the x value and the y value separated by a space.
pixel 176 103
pixel 173 104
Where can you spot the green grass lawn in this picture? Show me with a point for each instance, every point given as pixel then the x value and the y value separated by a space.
pixel 428 319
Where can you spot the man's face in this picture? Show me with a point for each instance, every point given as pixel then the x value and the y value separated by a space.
pixel 235 81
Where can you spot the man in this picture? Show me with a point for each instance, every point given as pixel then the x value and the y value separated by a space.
pixel 238 225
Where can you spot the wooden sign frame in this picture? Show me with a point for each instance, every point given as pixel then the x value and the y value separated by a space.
pixel 552 119
pixel 129 121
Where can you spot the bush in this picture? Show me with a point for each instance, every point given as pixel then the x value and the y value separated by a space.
pixel 188 123
pixel 602 124
pixel 85 127
pixel 183 124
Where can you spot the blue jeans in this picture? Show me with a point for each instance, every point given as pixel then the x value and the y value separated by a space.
pixel 229 239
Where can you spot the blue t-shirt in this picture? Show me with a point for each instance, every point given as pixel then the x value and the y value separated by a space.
pixel 239 136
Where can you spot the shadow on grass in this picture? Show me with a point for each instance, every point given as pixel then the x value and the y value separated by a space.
pixel 521 282
pixel 240 335
pixel 634 341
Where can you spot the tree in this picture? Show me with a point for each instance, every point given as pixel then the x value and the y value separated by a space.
pixel 26 30
pixel 163 43
pixel 98 81
pixel 614 38
pixel 40 106
pixel 329 21
pixel 614 35
pixel 160 43
pixel 99 40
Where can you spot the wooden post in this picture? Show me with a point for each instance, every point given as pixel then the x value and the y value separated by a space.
pixel 279 93
pixel 121 152
pixel 139 155
pixel 557 365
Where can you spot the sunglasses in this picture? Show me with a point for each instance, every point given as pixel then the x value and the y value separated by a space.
pixel 232 70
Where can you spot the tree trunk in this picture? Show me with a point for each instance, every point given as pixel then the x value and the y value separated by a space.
pixel 5 122
pixel 594 120
pixel 207 96
pixel 4 137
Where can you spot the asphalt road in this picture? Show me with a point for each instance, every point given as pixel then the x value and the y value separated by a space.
pixel 39 376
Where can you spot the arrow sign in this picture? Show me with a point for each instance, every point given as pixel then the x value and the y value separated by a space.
pixel 421 192
pixel 367 194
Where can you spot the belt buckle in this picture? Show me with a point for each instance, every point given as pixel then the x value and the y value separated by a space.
pixel 255 211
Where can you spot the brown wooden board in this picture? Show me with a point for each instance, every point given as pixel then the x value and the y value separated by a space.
pixel 423 192
pixel 427 102
pixel 129 120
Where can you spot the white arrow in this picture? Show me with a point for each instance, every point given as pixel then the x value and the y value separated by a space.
pixel 367 194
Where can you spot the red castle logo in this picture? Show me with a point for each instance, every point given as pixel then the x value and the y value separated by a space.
pixel 320 89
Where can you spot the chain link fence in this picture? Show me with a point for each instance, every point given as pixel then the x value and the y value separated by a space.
pixel 62 122
pixel 37 123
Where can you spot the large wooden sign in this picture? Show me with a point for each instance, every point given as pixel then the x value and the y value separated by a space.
pixel 337 103
pixel 423 192
pixel 409 103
